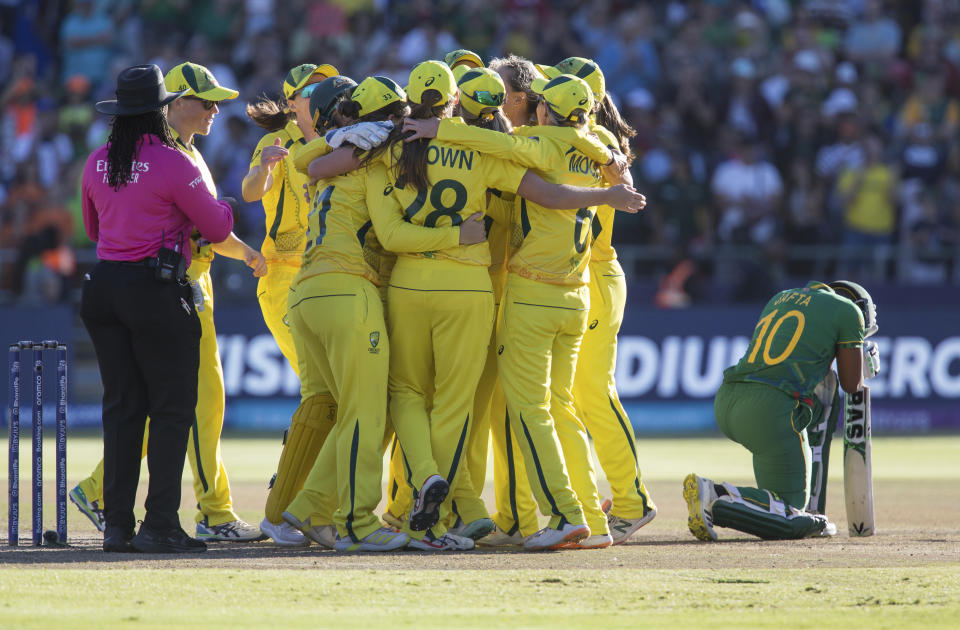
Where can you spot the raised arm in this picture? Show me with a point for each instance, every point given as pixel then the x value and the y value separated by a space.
pixel 565 197
pixel 259 179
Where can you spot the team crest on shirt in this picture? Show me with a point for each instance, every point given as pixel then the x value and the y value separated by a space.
pixel 374 341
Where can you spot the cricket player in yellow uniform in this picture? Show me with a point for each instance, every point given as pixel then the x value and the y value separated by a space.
pixel 273 180
pixel 329 320
pixel 595 388
pixel 544 317
pixel 215 518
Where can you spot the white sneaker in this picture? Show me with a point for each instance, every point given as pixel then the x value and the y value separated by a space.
pixel 549 538
pixel 447 542
pixel 323 535
pixel 700 495
pixel 500 538
pixel 234 531
pixel 284 534
pixel 384 539
pixel 594 541
pixel 623 528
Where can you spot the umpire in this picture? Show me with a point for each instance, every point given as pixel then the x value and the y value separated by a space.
pixel 141 200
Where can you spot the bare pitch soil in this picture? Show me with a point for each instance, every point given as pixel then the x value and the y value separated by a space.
pixel 917 523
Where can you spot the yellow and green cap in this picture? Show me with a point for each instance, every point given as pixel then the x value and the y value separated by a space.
pixel 481 90
pixel 431 75
pixel 375 93
pixel 565 95
pixel 454 57
pixel 194 80
pixel 585 69
pixel 299 75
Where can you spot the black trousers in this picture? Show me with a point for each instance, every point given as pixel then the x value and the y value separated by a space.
pixel 146 335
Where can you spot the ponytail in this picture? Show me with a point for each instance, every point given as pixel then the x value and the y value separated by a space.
pixel 610 118
pixel 269 114
pixel 411 168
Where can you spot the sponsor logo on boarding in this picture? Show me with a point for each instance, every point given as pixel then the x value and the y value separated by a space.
pixel 374 341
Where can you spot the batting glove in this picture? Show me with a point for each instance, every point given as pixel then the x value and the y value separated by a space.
pixel 871 359
pixel 365 135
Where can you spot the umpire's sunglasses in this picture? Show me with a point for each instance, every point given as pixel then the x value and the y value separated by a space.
pixel 207 105
pixel 487 98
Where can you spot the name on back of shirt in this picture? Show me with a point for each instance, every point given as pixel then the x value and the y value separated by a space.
pixel 579 163
pixel 798 298
pixel 453 158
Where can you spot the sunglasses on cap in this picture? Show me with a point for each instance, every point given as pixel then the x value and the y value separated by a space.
pixel 207 105
pixel 487 98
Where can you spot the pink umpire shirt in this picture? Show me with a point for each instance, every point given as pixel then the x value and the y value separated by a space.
pixel 166 195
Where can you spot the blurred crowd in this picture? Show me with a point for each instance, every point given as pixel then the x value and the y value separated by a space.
pixel 775 138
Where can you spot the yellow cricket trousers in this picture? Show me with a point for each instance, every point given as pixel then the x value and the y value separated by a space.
pixel 340 336
pixel 210 483
pixel 595 392
pixel 272 292
pixel 440 319
pixel 538 344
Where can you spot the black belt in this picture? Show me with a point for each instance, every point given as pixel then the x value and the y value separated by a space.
pixel 150 263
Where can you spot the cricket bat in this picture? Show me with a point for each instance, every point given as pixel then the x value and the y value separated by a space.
pixel 857 468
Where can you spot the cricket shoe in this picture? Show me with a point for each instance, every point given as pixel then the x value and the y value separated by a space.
pixel 499 538
pixel 284 534
pixel 396 522
pixel 700 495
pixel 323 535
pixel 232 531
pixel 90 509
pixel 426 509
pixel 550 538
pixel 822 527
pixel 474 530
pixel 594 541
pixel 383 539
pixel 447 542
pixel 623 528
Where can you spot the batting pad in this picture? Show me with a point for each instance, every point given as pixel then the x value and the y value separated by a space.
pixel 761 513
pixel 819 434
pixel 312 422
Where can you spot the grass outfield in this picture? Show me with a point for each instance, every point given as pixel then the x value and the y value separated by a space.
pixel 906 576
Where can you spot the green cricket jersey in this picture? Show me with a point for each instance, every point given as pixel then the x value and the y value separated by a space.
pixel 796 339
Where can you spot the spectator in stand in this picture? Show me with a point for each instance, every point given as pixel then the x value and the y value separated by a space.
pixel 747 192
pixel 85 39
pixel 845 153
pixel 743 108
pixel 875 37
pixel 930 104
pixel 76 112
pixel 867 194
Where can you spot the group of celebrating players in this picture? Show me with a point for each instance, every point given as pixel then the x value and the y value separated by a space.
pixel 441 277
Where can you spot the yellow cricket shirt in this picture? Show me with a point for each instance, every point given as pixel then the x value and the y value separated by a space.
pixel 554 245
pixel 459 179
pixel 340 236
pixel 284 204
